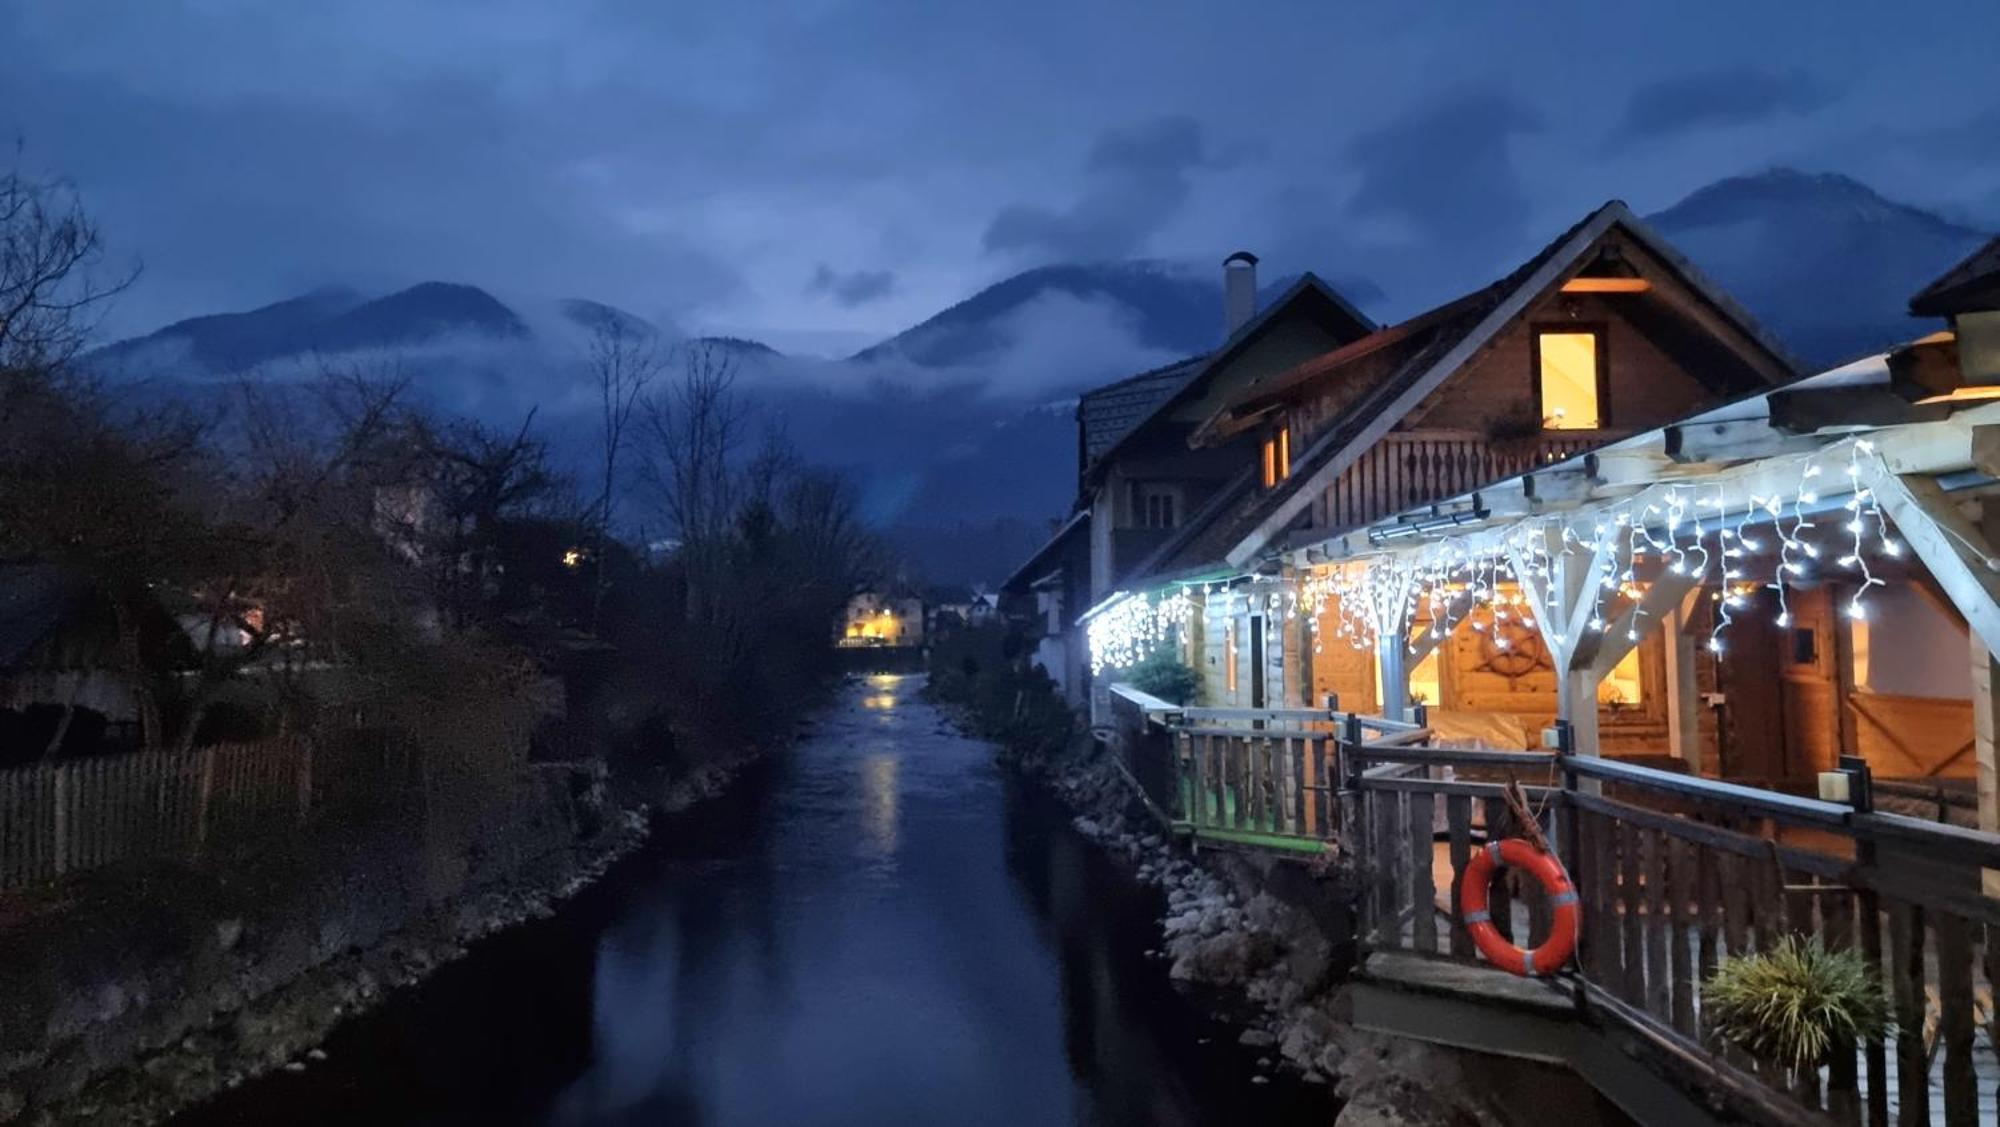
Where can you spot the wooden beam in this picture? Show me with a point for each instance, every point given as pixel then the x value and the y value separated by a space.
pixel 1986 719
pixel 1956 551
pixel 1683 691
pixel 1734 440
pixel 1868 405
pixel 1986 450
pixel 1662 599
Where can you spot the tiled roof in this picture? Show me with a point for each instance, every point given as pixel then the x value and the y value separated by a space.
pixel 1109 412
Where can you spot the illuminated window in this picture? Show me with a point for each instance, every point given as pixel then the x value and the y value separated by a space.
pixel 1278 457
pixel 1623 685
pixel 1569 372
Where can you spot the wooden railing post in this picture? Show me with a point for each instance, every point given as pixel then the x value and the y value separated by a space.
pixel 60 850
pixel 204 792
pixel 305 778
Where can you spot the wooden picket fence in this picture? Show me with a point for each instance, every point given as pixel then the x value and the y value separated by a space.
pixel 64 818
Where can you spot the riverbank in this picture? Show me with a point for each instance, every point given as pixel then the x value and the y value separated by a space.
pixel 1275 940
pixel 130 997
pixel 133 994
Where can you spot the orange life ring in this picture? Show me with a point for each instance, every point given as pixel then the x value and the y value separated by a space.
pixel 1472 911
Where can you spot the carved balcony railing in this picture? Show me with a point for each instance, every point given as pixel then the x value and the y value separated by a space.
pixel 1411 468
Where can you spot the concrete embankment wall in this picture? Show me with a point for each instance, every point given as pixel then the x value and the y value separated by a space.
pixel 133 991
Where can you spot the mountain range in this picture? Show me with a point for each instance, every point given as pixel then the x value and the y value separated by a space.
pixel 965 414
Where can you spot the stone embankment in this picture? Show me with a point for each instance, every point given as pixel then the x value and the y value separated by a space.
pixel 1278 936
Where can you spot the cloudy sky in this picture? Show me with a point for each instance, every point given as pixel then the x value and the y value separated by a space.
pixel 820 174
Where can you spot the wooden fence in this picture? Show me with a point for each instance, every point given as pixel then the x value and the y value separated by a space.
pixel 1264 777
pixel 1675 873
pixel 63 818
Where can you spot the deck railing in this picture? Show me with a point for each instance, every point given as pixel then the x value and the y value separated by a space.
pixel 1411 468
pixel 1675 873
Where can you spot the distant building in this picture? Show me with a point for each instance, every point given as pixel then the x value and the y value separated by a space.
pixel 876 619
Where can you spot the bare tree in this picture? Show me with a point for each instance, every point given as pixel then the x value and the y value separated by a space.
pixel 697 426
pixel 481 477
pixel 622 362
pixel 49 251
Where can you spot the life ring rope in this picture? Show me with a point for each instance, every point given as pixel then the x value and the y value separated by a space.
pixel 1477 916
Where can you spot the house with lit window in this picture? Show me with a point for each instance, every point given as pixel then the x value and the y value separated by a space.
pixel 877 619
pixel 1605 332
pixel 1140 480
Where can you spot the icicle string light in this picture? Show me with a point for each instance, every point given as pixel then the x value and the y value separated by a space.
pixel 1123 634
pixel 1473 576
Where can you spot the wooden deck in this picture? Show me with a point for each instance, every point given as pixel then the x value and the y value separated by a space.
pixel 1674 873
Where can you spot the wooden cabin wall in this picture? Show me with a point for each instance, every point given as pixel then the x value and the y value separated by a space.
pixel 1646 387
pixel 1338 667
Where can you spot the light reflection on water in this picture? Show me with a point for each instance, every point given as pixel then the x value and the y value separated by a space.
pixel 876 929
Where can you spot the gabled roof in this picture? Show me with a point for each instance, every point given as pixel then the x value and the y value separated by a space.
pixel 1970 286
pixel 1309 288
pixel 1105 414
pixel 1428 349
pixel 1037 566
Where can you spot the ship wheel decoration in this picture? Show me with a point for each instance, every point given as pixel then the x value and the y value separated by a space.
pixel 1523 654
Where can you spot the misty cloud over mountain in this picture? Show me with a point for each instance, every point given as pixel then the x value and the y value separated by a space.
pixel 964 420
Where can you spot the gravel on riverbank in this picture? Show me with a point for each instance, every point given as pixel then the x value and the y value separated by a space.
pixel 1224 929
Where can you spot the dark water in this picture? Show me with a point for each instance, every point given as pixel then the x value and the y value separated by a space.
pixel 875 929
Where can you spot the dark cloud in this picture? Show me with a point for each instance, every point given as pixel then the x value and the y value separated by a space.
pixel 856 287
pixel 1136 181
pixel 1445 171
pixel 1707 99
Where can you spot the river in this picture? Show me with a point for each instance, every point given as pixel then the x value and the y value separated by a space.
pixel 877 926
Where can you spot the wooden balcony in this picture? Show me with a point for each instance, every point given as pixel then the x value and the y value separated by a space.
pixel 1411 468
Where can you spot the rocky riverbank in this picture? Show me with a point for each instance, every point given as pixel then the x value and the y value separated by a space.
pixel 1227 927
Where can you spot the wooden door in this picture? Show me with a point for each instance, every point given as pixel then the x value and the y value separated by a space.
pixel 1753 699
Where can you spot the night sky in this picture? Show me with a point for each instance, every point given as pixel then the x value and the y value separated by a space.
pixel 822 175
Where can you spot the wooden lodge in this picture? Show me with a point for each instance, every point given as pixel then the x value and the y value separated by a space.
pixel 1738 638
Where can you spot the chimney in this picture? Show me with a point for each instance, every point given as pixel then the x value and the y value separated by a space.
pixel 1239 291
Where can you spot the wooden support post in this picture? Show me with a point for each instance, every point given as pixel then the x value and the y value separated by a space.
pixel 1960 556
pixel 1391 654
pixel 1683 693
pixel 1985 722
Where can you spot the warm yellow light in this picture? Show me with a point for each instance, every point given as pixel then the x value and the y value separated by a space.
pixel 1623 685
pixel 1569 381
pixel 1607 285
pixel 1962 394
pixel 572 558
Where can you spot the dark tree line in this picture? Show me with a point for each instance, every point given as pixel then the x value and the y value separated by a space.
pixel 310 554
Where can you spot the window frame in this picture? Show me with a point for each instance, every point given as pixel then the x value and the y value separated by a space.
pixel 1600 335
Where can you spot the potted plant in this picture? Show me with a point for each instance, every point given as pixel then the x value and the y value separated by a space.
pixel 1797 1005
